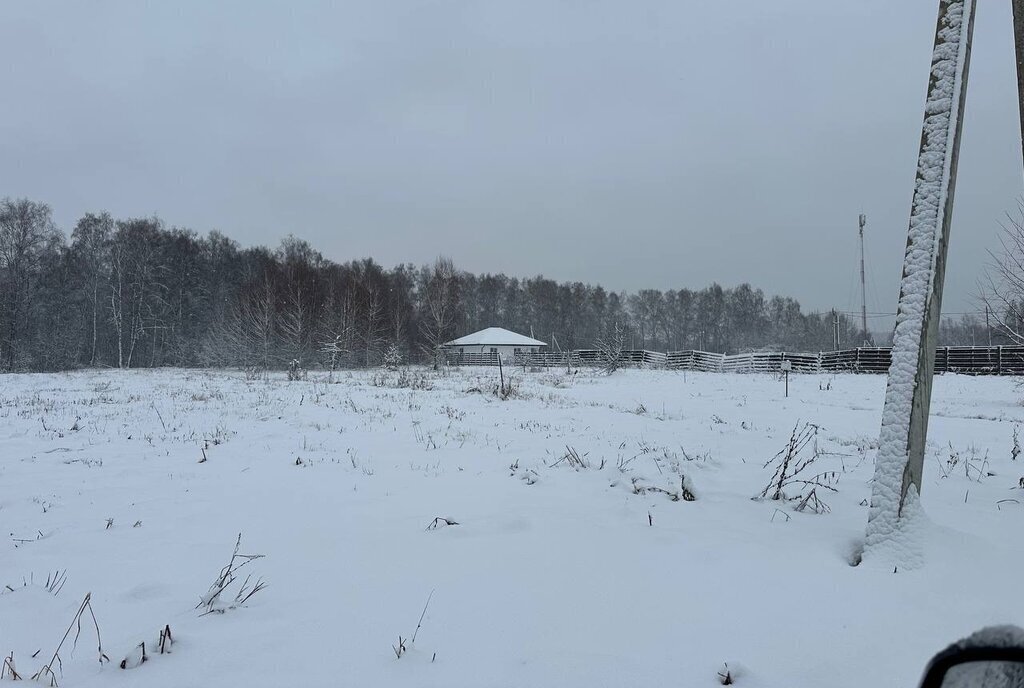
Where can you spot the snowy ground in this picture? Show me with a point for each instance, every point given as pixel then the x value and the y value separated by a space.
pixel 557 574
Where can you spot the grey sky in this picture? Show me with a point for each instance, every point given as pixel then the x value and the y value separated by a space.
pixel 634 144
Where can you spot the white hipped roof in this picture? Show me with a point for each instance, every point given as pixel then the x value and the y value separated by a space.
pixel 495 336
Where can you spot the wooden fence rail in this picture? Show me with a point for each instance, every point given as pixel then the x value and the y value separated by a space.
pixel 969 360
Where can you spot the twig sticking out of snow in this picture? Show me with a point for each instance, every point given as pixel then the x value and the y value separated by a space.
pixel 420 622
pixel 440 522
pixel 399 647
pixel 162 424
pixel 813 502
pixel 725 676
pixel 226 577
pixel 138 656
pixel 76 623
pixel 573 458
pixel 55 581
pixel 7 669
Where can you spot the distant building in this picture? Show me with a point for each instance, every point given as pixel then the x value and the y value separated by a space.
pixel 493 340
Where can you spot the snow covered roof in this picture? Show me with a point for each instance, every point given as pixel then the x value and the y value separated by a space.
pixel 495 336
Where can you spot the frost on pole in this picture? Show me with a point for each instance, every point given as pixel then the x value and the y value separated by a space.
pixel 897 481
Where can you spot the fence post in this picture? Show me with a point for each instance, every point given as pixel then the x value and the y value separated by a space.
pixel 999 360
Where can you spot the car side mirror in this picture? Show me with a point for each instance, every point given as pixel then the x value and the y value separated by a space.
pixel 978 666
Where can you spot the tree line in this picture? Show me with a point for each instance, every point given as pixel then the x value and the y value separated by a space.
pixel 132 293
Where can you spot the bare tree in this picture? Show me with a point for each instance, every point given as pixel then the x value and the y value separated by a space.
pixel 224 342
pixel 91 245
pixel 137 301
pixel 1002 287
pixel 373 321
pixel 301 301
pixel 610 347
pixel 293 327
pixel 440 302
pixel 27 232
pixel 338 333
pixel 259 321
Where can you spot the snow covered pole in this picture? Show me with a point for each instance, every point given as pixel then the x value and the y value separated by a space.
pixel 1018 43
pixel 901 446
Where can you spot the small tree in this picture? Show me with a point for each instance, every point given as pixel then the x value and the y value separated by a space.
pixel 609 347
pixel 334 349
pixel 392 357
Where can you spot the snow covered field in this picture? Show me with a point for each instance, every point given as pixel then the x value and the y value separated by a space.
pixel 571 564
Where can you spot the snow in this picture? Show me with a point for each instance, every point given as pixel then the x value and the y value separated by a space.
pixel 495 336
pixel 890 537
pixel 994 636
pixel 556 574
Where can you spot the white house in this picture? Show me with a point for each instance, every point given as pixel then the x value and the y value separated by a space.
pixel 494 340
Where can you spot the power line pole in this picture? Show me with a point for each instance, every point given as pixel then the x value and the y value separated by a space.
pixel 835 330
pixel 899 463
pixel 988 330
pixel 863 289
pixel 1018 42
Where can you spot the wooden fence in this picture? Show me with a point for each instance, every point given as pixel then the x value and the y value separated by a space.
pixel 969 360
pixel 575 358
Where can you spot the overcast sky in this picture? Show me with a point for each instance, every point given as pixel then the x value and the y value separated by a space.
pixel 634 144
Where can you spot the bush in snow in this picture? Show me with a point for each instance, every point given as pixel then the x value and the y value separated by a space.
pixel 212 601
pixel 790 465
pixel 295 370
pixel 975 466
pixel 404 379
pixel 610 347
pixel 392 358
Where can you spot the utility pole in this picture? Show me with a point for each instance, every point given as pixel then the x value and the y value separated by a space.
pixel 835 330
pixel 1018 42
pixel 863 289
pixel 899 463
pixel 988 330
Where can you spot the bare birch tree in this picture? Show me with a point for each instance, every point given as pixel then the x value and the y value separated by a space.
pixel 91 245
pixel 440 302
pixel 1002 287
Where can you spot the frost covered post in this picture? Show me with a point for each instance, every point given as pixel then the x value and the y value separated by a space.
pixel 1018 43
pixel 898 466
